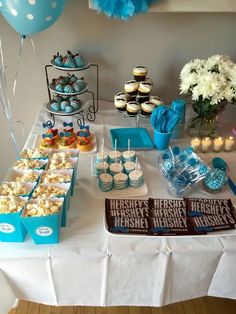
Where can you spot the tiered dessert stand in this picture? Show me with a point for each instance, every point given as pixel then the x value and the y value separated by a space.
pixel 90 115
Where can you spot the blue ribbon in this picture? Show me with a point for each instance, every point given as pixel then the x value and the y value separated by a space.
pixel 65 134
pixel 68 124
pixel 47 135
pixel 48 125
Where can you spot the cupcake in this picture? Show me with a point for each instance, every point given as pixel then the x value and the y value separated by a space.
pixel 147 108
pixel 114 156
pixel 129 155
pixel 149 80
pixel 144 88
pixel 132 108
pixel 48 143
pixel 67 140
pixel 49 139
pixel 120 181
pixel 120 104
pixel 84 131
pixel 105 182
pixel 101 167
pixel 141 99
pixel 121 95
pixel 84 144
pixel 156 100
pixel 131 88
pixel 136 178
pixel 115 168
pixel 129 166
pixel 140 73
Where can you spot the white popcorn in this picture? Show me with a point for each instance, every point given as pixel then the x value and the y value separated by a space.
pixel 52 177
pixel 34 153
pixel 14 188
pixel 56 164
pixel 29 176
pixel 61 155
pixel 48 191
pixel 27 164
pixel 42 208
pixel 11 204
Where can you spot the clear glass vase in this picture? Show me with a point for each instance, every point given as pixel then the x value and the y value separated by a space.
pixel 206 121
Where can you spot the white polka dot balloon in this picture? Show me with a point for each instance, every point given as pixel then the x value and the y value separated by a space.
pixel 31 16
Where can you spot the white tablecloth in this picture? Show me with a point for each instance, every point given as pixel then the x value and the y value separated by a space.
pixel 91 267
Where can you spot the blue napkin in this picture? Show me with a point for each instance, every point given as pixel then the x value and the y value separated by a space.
pixel 164 119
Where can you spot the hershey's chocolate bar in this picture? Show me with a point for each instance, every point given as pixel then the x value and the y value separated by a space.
pixel 210 223
pixel 125 203
pixel 160 203
pixel 212 207
pixel 128 225
pixel 164 225
pixel 129 212
pixel 168 212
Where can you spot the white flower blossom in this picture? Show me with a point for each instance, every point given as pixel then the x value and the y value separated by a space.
pixel 213 79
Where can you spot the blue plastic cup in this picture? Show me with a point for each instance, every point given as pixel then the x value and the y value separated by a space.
pixel 161 140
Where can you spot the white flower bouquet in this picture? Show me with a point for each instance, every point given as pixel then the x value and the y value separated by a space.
pixel 212 84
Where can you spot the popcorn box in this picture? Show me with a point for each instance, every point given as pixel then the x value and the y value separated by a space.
pixel 11 227
pixel 68 172
pixel 13 174
pixel 74 164
pixel 42 164
pixel 67 188
pixel 30 186
pixel 43 229
pixel 40 154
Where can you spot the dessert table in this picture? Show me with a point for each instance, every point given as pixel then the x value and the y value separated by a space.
pixel 94 268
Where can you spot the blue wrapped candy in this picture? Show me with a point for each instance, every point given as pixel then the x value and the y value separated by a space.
pixel 215 180
pixel 182 168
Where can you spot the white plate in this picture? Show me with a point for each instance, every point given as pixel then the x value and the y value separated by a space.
pixel 70 69
pixel 94 140
pixel 124 193
pixel 63 113
pixel 52 89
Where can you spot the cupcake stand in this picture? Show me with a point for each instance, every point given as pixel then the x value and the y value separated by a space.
pixel 92 108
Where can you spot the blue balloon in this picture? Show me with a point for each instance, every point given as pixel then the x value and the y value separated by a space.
pixel 28 17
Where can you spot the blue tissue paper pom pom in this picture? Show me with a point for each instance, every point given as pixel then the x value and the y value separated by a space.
pixel 122 9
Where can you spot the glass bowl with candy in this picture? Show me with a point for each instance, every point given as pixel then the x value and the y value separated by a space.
pixel 217 177
pixel 182 168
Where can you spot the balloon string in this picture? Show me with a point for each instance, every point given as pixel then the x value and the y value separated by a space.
pixel 4 101
pixel 34 50
pixel 17 65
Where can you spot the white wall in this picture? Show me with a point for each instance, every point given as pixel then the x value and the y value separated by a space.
pixel 163 42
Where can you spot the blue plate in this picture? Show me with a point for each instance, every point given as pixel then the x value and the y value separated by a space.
pixel 139 138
